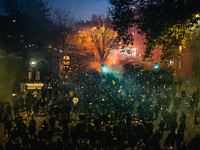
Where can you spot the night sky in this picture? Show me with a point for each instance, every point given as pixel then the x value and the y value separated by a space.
pixel 82 9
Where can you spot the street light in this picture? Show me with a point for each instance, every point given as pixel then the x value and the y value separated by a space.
pixel 33 62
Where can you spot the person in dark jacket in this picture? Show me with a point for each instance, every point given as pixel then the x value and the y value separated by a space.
pixel 42 105
pixel 161 126
pixel 7 126
pixel 196 115
pixel 183 117
pixel 156 110
pixel 173 125
pixel 36 107
pixel 45 125
pixel 21 103
pixel 25 140
pixel 16 109
pixel 2 112
pixel 28 108
pixel 8 110
pixel 32 127
pixel 182 127
pixel 194 143
pixel 59 144
pixel 13 144
pixel 52 121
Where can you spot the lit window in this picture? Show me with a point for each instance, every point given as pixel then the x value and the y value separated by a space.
pixel 66 58
pixel 179 64
pixel 180 49
pixel 134 52
pixel 13 20
pixel 66 63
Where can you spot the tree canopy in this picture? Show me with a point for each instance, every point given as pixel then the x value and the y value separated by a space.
pixel 164 23
pixel 123 18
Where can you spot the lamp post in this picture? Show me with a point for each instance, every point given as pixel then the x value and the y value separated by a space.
pixel 33 64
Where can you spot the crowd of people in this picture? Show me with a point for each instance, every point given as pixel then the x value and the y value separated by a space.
pixel 91 110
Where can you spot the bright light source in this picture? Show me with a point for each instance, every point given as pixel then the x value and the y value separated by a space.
pixel 156 66
pixel 33 63
pixel 14 94
pixel 180 49
pixel 171 62
pixel 197 15
pixel 104 68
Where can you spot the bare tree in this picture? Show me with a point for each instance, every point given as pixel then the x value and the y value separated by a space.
pixel 65 25
pixel 103 37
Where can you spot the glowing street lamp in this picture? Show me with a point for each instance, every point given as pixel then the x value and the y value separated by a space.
pixel 33 62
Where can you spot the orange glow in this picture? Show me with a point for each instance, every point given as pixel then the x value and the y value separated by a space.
pixel 95 65
pixel 112 59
